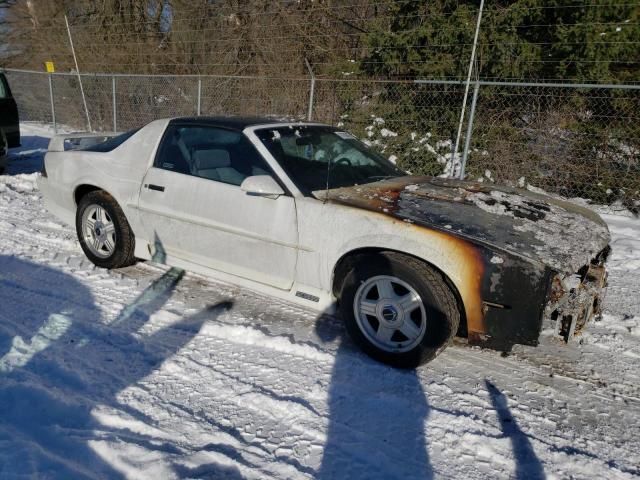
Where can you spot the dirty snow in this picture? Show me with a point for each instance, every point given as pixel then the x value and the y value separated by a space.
pixel 148 372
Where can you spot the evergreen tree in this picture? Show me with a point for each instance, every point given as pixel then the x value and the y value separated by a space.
pixel 522 39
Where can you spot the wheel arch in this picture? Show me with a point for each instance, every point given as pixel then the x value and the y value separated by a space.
pixel 349 259
pixel 86 188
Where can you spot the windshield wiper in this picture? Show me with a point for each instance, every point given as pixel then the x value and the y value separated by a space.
pixel 382 177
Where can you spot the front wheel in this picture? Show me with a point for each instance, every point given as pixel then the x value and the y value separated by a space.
pixel 103 231
pixel 398 309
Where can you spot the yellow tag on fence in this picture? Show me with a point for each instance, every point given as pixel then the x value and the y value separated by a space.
pixel 49 66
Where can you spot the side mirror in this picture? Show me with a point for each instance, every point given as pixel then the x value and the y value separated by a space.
pixel 262 186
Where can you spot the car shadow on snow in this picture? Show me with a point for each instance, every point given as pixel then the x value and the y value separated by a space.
pixel 29 157
pixel 60 364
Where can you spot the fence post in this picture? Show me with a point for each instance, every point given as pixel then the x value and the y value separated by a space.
pixel 199 95
pixel 311 91
pixel 467 139
pixel 466 87
pixel 75 60
pixel 114 103
pixel 53 107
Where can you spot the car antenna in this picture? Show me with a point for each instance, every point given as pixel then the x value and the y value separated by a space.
pixel 326 190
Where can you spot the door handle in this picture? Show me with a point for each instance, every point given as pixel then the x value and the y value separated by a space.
pixel 157 188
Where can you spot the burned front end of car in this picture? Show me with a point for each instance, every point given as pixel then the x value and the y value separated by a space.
pixel 523 301
pixel 543 262
pixel 538 261
pixel 576 299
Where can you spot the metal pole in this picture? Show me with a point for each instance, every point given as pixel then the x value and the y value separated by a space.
pixel 53 107
pixel 312 90
pixel 75 60
pixel 199 95
pixel 466 88
pixel 115 105
pixel 467 140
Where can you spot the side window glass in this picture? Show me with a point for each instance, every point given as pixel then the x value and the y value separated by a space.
pixel 174 153
pixel 213 153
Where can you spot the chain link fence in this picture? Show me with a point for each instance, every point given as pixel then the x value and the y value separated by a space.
pixel 578 142
pixel 574 140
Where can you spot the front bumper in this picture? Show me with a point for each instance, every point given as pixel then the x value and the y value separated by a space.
pixel 574 300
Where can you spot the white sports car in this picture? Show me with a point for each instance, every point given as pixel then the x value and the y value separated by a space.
pixel 307 213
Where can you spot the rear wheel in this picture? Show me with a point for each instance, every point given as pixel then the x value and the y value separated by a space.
pixel 398 309
pixel 4 151
pixel 103 231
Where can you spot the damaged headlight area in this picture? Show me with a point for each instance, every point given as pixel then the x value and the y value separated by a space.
pixel 574 300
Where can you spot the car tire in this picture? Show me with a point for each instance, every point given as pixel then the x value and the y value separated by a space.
pixel 104 232
pixel 4 151
pixel 398 309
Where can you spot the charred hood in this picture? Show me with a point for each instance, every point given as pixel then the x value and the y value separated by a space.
pixel 544 229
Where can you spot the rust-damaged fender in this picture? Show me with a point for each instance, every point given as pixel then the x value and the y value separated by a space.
pixel 465 268
pixel 503 295
pixel 460 260
pixel 514 293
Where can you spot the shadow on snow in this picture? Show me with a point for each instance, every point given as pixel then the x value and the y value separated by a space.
pixel 58 361
pixel 377 417
pixel 29 157
pixel 528 465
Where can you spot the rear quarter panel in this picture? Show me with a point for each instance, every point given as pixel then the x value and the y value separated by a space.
pixel 118 172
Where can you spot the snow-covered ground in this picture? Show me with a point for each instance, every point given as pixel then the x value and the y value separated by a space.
pixel 148 372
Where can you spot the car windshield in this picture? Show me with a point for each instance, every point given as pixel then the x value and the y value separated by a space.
pixel 319 156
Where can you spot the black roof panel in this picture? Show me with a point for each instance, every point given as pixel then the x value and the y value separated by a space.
pixel 236 123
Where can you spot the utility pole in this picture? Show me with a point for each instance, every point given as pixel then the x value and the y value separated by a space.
pixel 454 153
pixel 75 60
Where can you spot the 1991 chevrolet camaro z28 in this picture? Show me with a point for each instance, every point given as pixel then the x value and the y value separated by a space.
pixel 306 212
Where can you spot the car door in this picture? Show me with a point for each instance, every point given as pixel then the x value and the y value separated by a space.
pixel 191 202
pixel 8 114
